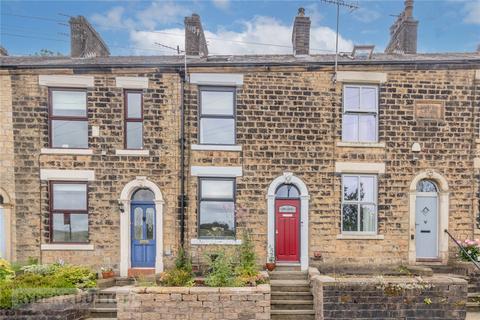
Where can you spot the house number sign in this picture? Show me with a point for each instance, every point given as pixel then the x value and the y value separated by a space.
pixel 286 209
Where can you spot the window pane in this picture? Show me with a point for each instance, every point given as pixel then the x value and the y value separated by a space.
pixel 134 135
pixel 150 223
pixel 217 131
pixel 138 223
pixel 70 227
pixel 69 134
pixel 368 218
pixel 217 189
pixel 350 188
pixel 287 191
pixel 368 99
pixel 217 102
pixel 217 219
pixel 69 196
pixel 426 186
pixel 352 98
pixel 350 217
pixel 350 128
pixel 367 189
pixel 143 195
pixel 134 105
pixel 69 103
pixel 367 128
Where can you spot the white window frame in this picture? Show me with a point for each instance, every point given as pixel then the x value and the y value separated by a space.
pixel 360 112
pixel 359 203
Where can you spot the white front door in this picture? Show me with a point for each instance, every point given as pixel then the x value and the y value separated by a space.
pixel 426 225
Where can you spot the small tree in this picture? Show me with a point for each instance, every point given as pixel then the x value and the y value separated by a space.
pixel 247 266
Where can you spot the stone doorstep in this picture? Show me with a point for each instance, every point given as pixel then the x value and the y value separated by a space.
pixel 135 272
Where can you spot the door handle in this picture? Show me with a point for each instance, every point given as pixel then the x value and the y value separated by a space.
pixel 276 231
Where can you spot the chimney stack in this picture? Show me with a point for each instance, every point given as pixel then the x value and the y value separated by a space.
pixel 3 52
pixel 403 33
pixel 85 42
pixel 301 34
pixel 195 42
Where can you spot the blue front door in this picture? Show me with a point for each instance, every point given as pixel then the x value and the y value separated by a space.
pixel 143 235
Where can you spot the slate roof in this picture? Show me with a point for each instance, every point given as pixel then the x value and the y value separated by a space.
pixel 10 62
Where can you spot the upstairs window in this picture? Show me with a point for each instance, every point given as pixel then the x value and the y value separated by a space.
pixel 360 113
pixel 217 208
pixel 359 204
pixel 133 119
pixel 68 118
pixel 69 212
pixel 217 116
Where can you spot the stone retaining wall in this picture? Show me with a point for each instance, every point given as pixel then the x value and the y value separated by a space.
pixel 437 297
pixel 251 303
pixel 71 307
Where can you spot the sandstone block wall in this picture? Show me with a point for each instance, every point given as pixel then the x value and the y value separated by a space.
pixel 438 297
pixel 194 303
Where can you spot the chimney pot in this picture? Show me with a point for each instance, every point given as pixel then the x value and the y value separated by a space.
pixel 301 34
pixel 3 52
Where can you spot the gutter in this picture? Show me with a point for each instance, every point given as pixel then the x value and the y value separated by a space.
pixel 182 197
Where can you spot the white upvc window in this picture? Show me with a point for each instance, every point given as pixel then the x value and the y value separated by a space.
pixel 360 113
pixel 359 204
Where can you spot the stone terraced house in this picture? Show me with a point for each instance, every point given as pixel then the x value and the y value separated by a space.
pixel 118 161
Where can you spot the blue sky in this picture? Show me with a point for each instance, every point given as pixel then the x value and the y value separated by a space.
pixel 133 27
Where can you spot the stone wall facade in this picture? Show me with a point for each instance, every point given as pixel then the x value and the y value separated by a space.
pixel 288 119
pixel 438 297
pixel 74 307
pixel 194 303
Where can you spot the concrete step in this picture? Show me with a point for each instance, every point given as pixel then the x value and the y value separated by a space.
pixel 286 267
pixel 473 316
pixel 106 300
pixel 473 306
pixel 103 312
pixel 474 296
pixel 288 275
pixel 292 315
pixel 289 285
pixel 100 318
pixel 292 305
pixel 104 305
pixel 299 295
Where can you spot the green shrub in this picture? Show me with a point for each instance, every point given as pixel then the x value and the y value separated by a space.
pixel 181 275
pixel 6 271
pixel 472 247
pixel 221 273
pixel 42 269
pixel 247 265
pixel 80 277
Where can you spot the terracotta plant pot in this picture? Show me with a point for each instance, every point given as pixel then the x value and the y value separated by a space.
pixel 270 266
pixel 108 274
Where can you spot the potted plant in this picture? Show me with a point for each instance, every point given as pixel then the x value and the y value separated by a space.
pixel 270 265
pixel 107 272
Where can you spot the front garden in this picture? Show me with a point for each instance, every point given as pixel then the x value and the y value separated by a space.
pixel 23 284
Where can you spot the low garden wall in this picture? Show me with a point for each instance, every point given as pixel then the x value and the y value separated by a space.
pixel 405 297
pixel 71 307
pixel 248 303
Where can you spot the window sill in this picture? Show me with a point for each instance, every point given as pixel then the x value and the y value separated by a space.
pixel 66 151
pixel 361 144
pixel 127 152
pixel 213 147
pixel 66 247
pixel 360 237
pixel 216 242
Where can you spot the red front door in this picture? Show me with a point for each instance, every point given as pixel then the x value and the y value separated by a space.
pixel 287 224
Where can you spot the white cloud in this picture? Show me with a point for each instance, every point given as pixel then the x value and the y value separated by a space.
pixel 366 15
pixel 258 30
pixel 221 4
pixel 113 19
pixel 159 13
pixel 472 10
